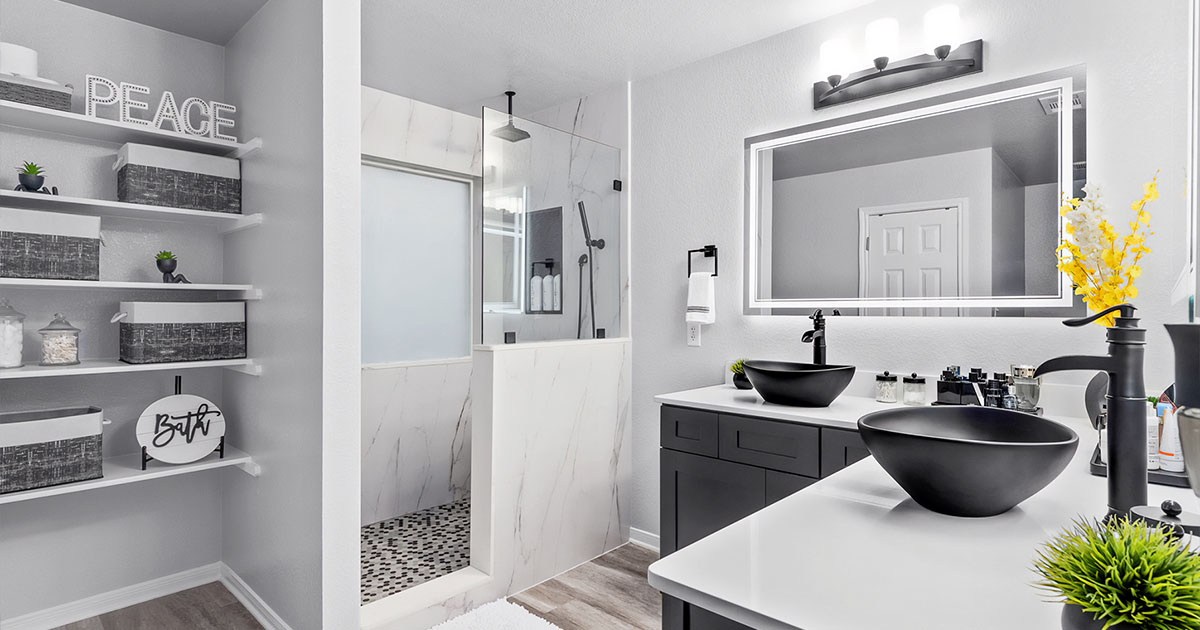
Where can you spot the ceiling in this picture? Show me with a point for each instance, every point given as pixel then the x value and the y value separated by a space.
pixel 462 55
pixel 1022 135
pixel 215 21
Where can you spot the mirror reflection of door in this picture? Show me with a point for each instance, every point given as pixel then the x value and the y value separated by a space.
pixel 913 250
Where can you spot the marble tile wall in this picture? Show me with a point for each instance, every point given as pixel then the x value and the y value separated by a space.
pixel 416 437
pixel 403 130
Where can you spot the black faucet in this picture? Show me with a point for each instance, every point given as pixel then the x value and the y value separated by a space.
pixel 816 336
pixel 1126 404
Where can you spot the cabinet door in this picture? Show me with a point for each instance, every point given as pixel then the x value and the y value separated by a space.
pixel 780 485
pixel 839 449
pixel 701 495
pixel 689 430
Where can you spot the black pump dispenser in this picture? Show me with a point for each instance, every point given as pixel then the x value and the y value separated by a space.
pixel 1126 403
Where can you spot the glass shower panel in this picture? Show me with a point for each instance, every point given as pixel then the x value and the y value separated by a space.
pixel 551 233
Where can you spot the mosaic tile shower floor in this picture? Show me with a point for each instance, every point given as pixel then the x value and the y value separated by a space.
pixel 408 550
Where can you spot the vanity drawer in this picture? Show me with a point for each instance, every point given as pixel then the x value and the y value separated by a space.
pixel 780 485
pixel 783 446
pixel 689 430
pixel 839 449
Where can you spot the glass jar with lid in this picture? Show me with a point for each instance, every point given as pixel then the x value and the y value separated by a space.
pixel 886 386
pixel 914 389
pixel 12 335
pixel 60 342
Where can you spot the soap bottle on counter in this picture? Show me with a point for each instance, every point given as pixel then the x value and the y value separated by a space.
pixel 1152 424
pixel 1170 452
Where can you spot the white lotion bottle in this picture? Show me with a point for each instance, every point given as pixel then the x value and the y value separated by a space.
pixel 1152 441
pixel 1170 451
pixel 557 291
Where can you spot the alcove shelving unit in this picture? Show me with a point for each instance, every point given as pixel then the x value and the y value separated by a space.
pixel 125 469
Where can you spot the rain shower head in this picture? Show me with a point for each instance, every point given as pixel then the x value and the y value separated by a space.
pixel 510 132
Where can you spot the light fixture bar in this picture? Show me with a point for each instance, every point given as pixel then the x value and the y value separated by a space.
pixel 901 75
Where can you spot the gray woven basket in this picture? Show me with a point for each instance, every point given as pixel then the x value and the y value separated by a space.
pixel 155 186
pixel 49 256
pixel 170 343
pixel 29 466
pixel 33 95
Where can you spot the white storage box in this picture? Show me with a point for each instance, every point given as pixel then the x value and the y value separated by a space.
pixel 51 447
pixel 178 179
pixel 166 332
pixel 49 245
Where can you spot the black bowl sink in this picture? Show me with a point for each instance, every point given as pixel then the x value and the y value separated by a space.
pixel 798 384
pixel 968 461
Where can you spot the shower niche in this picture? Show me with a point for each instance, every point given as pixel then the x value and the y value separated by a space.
pixel 550 263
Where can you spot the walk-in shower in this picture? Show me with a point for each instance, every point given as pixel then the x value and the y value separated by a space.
pixel 528 248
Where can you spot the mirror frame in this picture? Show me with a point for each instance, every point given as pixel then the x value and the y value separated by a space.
pixel 757 304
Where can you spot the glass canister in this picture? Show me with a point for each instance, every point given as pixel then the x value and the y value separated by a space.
pixel 1026 387
pixel 886 386
pixel 914 389
pixel 60 342
pixel 12 335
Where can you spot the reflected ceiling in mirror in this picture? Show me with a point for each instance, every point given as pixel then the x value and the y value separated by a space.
pixel 944 208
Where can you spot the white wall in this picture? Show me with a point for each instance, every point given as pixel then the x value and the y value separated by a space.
pixel 689 126
pixel 272 525
pixel 61 549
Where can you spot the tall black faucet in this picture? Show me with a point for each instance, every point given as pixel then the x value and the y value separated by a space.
pixel 816 336
pixel 1126 404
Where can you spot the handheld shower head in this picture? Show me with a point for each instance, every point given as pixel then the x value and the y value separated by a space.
pixel 587 232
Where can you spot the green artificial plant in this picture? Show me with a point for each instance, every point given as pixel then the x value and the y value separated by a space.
pixel 738 367
pixel 31 169
pixel 164 255
pixel 1124 572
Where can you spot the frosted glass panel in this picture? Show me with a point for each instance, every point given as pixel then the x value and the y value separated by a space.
pixel 416 276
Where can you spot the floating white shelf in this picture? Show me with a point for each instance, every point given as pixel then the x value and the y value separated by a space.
pixel 127 469
pixel 103 130
pixel 224 222
pixel 248 291
pixel 113 366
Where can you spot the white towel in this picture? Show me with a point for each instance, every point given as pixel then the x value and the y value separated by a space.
pixel 702 299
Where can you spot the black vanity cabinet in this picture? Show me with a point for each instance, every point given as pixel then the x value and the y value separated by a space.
pixel 719 468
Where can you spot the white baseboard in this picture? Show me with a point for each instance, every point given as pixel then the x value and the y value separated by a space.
pixel 253 603
pixel 95 605
pixel 643 538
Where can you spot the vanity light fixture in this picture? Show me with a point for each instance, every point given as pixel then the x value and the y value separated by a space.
pixel 882 39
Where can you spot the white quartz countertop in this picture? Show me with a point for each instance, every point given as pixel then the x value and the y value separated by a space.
pixel 842 414
pixel 854 552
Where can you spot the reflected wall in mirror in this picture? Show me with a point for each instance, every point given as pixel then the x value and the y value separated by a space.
pixel 944 208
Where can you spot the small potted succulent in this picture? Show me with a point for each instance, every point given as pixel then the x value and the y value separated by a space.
pixel 740 380
pixel 1122 575
pixel 167 263
pixel 32 176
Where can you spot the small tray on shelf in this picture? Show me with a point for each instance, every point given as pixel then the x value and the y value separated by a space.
pixel 1160 477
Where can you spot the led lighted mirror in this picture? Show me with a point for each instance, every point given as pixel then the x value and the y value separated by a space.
pixel 946 207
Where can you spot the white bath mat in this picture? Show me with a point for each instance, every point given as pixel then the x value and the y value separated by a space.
pixel 498 615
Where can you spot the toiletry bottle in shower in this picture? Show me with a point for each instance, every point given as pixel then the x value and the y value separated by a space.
pixel 535 294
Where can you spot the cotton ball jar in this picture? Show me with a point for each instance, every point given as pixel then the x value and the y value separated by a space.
pixel 60 342
pixel 12 335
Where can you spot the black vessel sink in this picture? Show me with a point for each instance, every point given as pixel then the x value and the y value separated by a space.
pixel 968 461
pixel 798 384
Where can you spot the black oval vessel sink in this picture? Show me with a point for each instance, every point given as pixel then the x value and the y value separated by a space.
pixel 968 461
pixel 798 384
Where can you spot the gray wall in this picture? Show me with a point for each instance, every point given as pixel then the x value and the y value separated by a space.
pixel 271 526
pixel 688 165
pixel 61 549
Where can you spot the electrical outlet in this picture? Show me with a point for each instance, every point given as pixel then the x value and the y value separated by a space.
pixel 693 334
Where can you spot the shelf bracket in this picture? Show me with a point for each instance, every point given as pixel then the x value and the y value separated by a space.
pixel 244 222
pixel 251 468
pixel 251 369
pixel 247 148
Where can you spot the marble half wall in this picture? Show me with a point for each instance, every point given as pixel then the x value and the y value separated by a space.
pixel 416 436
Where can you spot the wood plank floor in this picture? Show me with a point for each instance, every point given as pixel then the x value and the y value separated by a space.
pixel 608 593
pixel 207 607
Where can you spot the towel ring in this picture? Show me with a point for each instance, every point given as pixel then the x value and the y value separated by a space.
pixel 709 251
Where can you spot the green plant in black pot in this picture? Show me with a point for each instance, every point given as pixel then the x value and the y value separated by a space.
pixel 740 380
pixel 32 176
pixel 1123 575
pixel 167 263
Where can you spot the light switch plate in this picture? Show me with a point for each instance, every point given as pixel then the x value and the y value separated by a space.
pixel 693 334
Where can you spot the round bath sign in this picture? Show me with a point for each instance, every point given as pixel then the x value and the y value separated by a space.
pixel 180 429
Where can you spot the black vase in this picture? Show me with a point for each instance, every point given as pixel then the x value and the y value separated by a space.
pixel 741 381
pixel 1075 618
pixel 31 182
pixel 167 267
